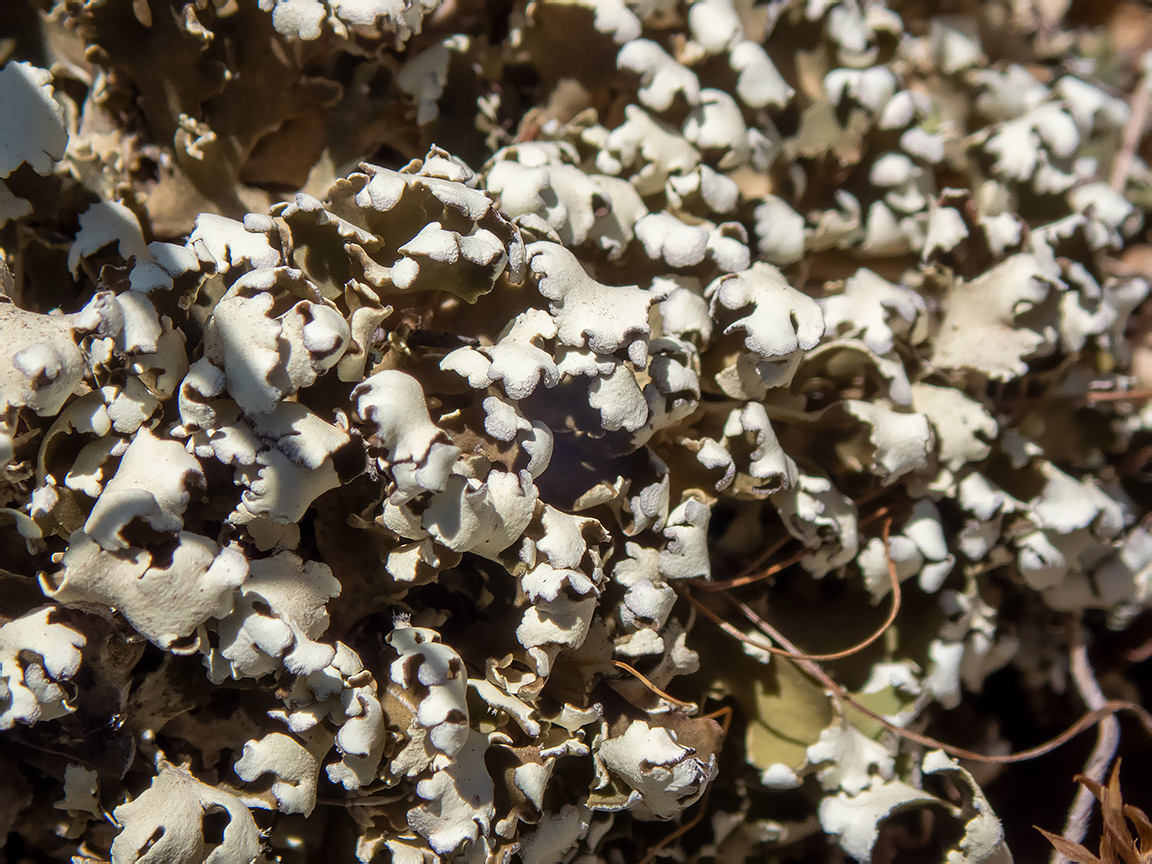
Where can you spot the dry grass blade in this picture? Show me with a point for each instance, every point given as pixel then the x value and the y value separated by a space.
pixel 1143 827
pixel 1117 845
pixel 1072 851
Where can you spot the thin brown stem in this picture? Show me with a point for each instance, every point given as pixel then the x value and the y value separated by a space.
pixel 748 579
pixel 1117 395
pixel 620 664
pixel 753 572
pixel 762 625
pixel 1113 706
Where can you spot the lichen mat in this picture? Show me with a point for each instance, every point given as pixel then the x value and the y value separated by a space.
pixel 572 431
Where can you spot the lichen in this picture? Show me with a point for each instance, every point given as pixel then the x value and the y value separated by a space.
pixel 385 388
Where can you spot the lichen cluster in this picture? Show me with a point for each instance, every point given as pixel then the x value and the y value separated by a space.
pixel 382 383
